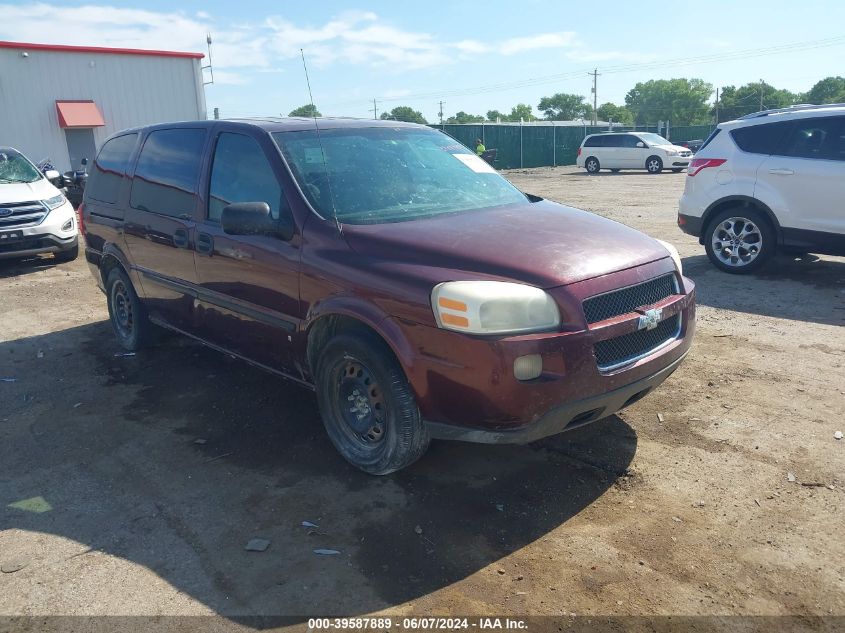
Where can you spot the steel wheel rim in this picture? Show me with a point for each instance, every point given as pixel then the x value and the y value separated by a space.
pixel 360 404
pixel 122 313
pixel 736 241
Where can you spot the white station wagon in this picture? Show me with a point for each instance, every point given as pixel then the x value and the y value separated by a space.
pixel 631 150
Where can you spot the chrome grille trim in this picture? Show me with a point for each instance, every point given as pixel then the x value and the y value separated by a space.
pixel 624 300
pixel 18 215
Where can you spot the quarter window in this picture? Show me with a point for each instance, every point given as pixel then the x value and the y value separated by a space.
pixel 110 168
pixel 165 179
pixel 242 173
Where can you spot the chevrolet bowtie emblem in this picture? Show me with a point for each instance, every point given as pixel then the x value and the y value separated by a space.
pixel 650 318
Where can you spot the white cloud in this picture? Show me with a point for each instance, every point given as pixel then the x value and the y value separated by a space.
pixel 541 40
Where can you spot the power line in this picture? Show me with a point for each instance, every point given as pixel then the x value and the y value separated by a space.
pixel 622 68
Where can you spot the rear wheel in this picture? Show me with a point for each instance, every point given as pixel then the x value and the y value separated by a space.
pixel 592 164
pixel 739 240
pixel 367 406
pixel 128 317
pixel 654 165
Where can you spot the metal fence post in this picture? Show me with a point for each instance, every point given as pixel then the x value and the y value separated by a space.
pixel 520 143
pixel 554 145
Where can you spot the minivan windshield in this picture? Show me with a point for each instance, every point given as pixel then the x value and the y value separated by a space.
pixel 14 167
pixel 373 175
pixel 653 139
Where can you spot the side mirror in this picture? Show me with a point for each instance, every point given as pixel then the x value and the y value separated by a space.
pixel 53 176
pixel 84 162
pixel 252 218
pixel 640 144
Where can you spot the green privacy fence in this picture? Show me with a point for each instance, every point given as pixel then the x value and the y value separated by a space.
pixel 538 145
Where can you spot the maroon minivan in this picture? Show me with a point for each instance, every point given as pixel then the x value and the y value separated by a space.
pixel 390 269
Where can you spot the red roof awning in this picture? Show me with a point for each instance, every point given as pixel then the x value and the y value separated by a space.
pixel 79 114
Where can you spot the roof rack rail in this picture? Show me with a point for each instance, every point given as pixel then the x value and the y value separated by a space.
pixel 794 108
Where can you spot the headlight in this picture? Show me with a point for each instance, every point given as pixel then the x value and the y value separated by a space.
pixel 673 253
pixel 54 202
pixel 493 307
pixel 672 152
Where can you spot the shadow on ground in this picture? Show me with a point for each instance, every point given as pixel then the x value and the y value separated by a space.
pixel 805 288
pixel 25 266
pixel 175 458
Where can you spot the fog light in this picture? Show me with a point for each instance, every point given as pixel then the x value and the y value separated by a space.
pixel 528 367
pixel 67 226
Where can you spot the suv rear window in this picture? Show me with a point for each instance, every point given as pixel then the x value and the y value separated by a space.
pixel 168 168
pixel 109 168
pixel 760 139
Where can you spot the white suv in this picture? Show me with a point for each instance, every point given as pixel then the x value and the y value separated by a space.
pixel 35 217
pixel 772 180
pixel 631 150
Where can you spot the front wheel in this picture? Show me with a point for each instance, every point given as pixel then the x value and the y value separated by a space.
pixel 654 165
pixel 67 256
pixel 592 164
pixel 738 241
pixel 367 406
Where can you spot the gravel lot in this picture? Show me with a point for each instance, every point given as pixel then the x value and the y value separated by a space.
pixel 130 485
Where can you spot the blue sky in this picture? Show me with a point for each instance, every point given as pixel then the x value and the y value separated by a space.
pixel 475 56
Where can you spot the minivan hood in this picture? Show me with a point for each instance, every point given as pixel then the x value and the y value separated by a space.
pixel 543 244
pixel 41 189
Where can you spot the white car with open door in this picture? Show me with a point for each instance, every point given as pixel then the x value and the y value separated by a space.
pixel 35 217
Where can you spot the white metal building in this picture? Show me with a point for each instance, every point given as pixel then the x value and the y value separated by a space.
pixel 62 102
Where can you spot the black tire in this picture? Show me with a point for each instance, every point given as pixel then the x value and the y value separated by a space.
pixel 67 256
pixel 654 164
pixel 382 431
pixel 739 255
pixel 677 171
pixel 592 165
pixel 615 171
pixel 129 321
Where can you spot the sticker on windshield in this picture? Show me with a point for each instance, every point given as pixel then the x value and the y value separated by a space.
pixel 313 155
pixel 476 164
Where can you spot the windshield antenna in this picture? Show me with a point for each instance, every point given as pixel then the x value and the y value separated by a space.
pixel 320 141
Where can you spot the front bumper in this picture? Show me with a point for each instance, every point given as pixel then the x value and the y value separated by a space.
pixel 467 382
pixel 46 237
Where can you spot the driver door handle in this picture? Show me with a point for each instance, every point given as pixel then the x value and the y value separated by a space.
pixel 781 172
pixel 205 244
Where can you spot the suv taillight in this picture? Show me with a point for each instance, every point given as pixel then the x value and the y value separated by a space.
pixel 697 164
pixel 80 219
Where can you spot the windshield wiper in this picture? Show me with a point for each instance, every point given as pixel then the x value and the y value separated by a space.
pixel 14 180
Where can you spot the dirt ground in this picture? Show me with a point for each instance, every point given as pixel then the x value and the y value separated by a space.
pixel 131 484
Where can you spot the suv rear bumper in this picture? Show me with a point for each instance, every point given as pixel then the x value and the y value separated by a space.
pixel 565 417
pixel 690 224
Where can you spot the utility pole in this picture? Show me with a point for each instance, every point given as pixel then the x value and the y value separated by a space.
pixel 441 114
pixel 595 75
pixel 717 106
pixel 762 83
pixel 375 109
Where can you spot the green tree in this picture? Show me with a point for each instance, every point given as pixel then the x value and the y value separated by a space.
pixel 615 113
pixel 308 110
pixel 681 101
pixel 495 115
pixel 828 90
pixel 565 107
pixel 736 102
pixel 521 112
pixel 404 113
pixel 463 117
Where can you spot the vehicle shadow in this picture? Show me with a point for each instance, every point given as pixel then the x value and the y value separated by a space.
pixel 176 457
pixel 806 288
pixel 20 267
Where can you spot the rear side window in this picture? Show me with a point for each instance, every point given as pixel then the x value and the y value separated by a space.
pixel 110 168
pixel 168 168
pixel 820 138
pixel 242 173
pixel 612 140
pixel 593 141
pixel 760 139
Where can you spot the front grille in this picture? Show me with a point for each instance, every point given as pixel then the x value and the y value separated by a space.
pixel 624 349
pixel 686 154
pixel 21 214
pixel 625 300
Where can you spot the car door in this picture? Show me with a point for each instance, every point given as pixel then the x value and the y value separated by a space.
pixel 248 297
pixel 160 227
pixel 629 154
pixel 807 175
pixel 610 156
